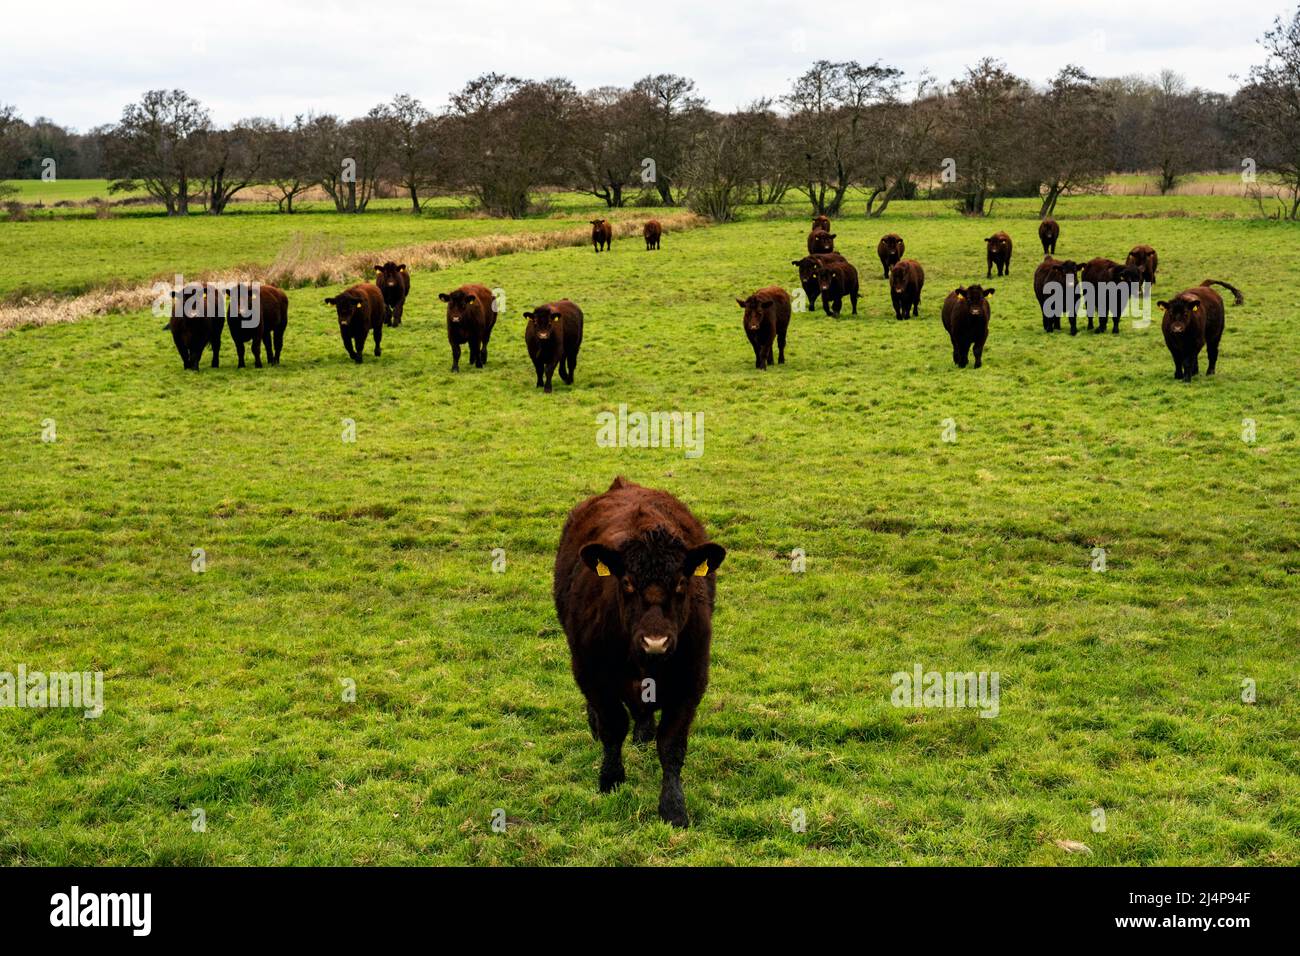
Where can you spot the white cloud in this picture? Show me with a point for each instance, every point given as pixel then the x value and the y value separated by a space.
pixel 82 61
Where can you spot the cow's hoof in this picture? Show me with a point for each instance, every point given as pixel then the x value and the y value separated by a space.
pixel 672 810
pixel 609 779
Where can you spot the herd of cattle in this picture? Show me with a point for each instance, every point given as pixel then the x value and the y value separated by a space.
pixel 1100 287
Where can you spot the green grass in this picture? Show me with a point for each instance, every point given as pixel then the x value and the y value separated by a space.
pixel 371 561
pixel 63 190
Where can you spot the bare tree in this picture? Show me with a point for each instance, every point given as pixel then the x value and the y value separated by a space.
pixel 412 132
pixel 156 145
pixel 288 162
pixel 719 169
pixel 1068 147
pixel 1269 107
pixel 233 159
pixel 983 132
pixel 605 159
pixel 667 114
pixel 11 130
pixel 1175 115
pixel 829 108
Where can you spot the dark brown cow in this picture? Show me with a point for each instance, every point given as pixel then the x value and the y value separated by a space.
pixel 890 250
pixel 835 280
pixel 820 241
pixel 471 315
pixel 966 318
pixel 807 267
pixel 767 317
pixel 653 231
pixel 1194 318
pixel 906 280
pixel 1145 260
pixel 1056 287
pixel 361 309
pixel 259 313
pixel 634 590
pixel 1105 287
pixel 602 234
pixel 998 252
pixel 395 283
pixel 554 335
pixel 1049 230
pixel 198 316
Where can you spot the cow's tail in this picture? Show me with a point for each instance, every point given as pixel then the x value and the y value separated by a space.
pixel 1238 298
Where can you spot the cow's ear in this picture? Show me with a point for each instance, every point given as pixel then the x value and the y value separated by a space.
pixel 795 262
pixel 704 559
pixel 329 301
pixel 444 297
pixel 379 268
pixel 960 292
pixel 402 267
pixel 989 292
pixel 830 235
pixel 604 561
pixel 1162 304
pixel 741 303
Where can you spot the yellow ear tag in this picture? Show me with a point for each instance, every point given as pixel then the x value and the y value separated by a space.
pixel 702 570
pixel 960 297
pixel 601 569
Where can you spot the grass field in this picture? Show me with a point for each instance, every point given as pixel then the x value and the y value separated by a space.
pixel 371 561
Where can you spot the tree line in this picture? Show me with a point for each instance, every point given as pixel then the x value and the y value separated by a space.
pixel 840 126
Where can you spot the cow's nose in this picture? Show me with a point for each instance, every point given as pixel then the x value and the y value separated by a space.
pixel 655 645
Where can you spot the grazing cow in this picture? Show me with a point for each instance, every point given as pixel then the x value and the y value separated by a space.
pixel 966 318
pixel 1049 230
pixel 360 309
pixel 890 249
pixel 808 273
pixel 998 252
pixel 395 283
pixel 634 590
pixel 198 316
pixel 652 231
pixel 554 335
pixel 1145 260
pixel 602 234
pixel 835 280
pixel 1106 287
pixel 821 222
pixel 820 241
pixel 259 313
pixel 1192 319
pixel 767 317
pixel 906 279
pixel 471 314
pixel 1056 287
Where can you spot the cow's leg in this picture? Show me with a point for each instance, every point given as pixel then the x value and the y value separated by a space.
pixel 916 306
pixel 473 352
pixel 359 348
pixel 670 741
pixel 979 352
pixel 537 366
pixel 216 349
pixel 347 344
pixel 379 334
pixel 780 343
pixel 397 313
pixel 455 356
pixel 758 355
pixel 550 373
pixel 239 350
pixel 611 724
pixel 279 342
pixel 257 350
pixel 1211 356
pixel 853 301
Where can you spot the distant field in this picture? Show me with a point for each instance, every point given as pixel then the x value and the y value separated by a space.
pixel 65 256
pixel 371 561
pixel 64 190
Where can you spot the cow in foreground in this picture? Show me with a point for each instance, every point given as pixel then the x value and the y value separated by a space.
pixel 634 590
pixel 197 319
pixel 1049 230
pixel 361 310
pixel 553 336
pixel 471 315
pixel 395 283
pixel 807 267
pixel 890 250
pixel 652 231
pixel 966 319
pixel 602 234
pixel 1192 319
pixel 767 317
pixel 906 280
pixel 1056 287
pixel 257 313
pixel 998 253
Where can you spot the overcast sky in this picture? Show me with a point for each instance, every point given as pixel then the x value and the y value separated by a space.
pixel 80 62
